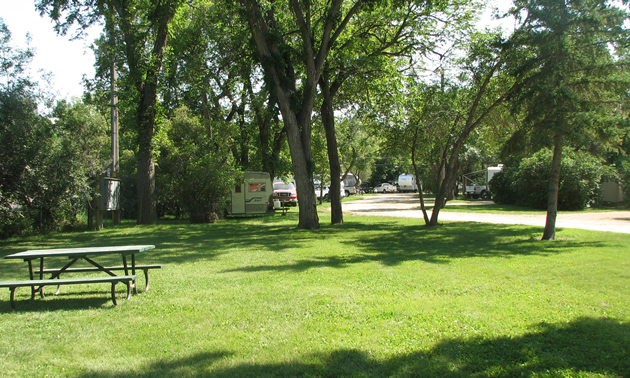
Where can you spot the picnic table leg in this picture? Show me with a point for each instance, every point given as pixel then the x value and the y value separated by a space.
pixel 128 284
pixel 30 272
pixel 114 293
pixel 133 268
pixel 13 296
pixel 133 272
pixel 146 279
pixel 32 276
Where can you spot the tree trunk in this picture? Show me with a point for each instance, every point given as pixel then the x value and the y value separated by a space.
pixel 554 188
pixel 308 218
pixel 147 199
pixel 146 83
pixel 420 194
pixel 296 110
pixel 328 119
pixel 445 179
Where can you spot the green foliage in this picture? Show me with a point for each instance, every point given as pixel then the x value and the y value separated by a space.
pixel 528 184
pixel 503 192
pixel 44 166
pixel 46 170
pixel 569 57
pixel 129 184
pixel 195 174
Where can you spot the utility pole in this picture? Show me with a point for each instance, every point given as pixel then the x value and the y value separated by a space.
pixel 115 153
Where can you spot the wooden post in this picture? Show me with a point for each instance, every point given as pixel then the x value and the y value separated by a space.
pixel 97 205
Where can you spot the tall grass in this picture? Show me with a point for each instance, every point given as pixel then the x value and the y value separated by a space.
pixel 373 297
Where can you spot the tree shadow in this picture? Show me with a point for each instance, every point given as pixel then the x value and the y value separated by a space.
pixel 62 302
pixel 393 244
pixel 389 242
pixel 175 242
pixel 582 347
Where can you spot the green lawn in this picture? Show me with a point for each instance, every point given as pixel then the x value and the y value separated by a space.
pixel 374 297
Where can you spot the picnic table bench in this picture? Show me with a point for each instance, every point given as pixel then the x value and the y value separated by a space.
pixel 88 254
pixel 144 268
pixel 12 285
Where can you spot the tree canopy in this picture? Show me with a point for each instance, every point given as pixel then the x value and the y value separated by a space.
pixel 316 90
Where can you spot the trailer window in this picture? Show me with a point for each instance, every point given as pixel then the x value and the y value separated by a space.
pixel 257 187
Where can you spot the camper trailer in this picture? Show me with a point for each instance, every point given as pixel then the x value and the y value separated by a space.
pixel 480 180
pixel 407 183
pixel 351 183
pixel 252 196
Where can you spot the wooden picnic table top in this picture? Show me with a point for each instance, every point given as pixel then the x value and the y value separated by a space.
pixel 83 251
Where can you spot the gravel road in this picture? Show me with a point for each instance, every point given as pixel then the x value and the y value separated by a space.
pixel 407 205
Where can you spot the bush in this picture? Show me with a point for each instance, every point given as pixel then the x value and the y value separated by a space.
pixel 46 166
pixel 502 188
pixel 195 171
pixel 204 188
pixel 528 184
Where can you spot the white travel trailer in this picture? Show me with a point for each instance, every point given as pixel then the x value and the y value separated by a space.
pixel 351 183
pixel 407 183
pixel 480 180
pixel 252 196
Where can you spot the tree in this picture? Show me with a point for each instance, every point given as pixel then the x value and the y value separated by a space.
pixel 573 77
pixel 293 71
pixel 142 29
pixel 443 114
pixel 44 166
pixel 371 53
pixel 211 70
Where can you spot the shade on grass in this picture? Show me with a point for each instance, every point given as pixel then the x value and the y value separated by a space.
pixel 373 297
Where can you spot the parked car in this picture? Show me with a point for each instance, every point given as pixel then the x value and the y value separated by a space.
pixel 285 192
pixel 324 192
pixel 385 188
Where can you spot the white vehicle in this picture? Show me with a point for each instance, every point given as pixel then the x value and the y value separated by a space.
pixel 385 188
pixel 351 183
pixel 480 180
pixel 407 183
pixel 252 196
pixel 323 192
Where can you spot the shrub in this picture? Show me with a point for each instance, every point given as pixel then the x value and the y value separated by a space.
pixel 195 171
pixel 528 184
pixel 502 188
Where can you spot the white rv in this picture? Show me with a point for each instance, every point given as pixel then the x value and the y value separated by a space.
pixel 407 183
pixel 252 196
pixel 351 183
pixel 480 180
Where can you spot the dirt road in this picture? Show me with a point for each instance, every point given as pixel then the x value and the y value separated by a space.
pixel 407 205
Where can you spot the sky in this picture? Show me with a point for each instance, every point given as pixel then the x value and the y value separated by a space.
pixel 67 60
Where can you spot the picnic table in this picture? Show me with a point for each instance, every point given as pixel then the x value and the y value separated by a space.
pixel 88 254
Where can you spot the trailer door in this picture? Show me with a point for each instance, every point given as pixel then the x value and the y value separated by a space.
pixel 238 199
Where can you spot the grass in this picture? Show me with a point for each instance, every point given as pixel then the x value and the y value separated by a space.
pixel 373 297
